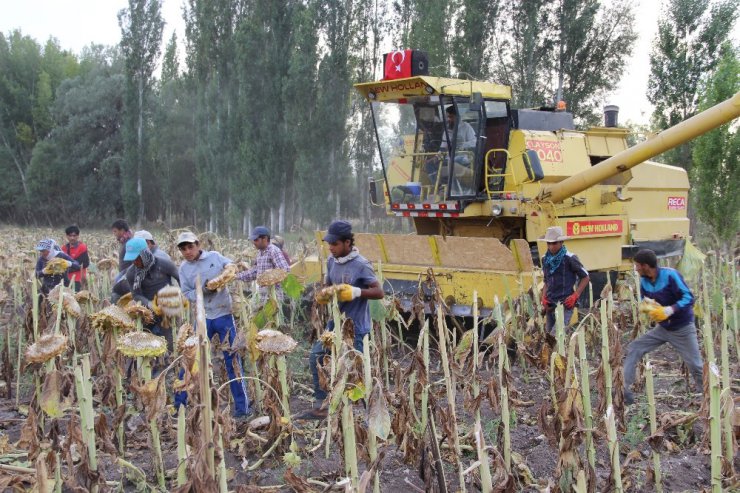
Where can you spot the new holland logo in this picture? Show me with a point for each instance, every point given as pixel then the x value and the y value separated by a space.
pixel 600 227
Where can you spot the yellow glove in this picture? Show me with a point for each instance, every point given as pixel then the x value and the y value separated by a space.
pixel 348 293
pixel 155 307
pixel 660 313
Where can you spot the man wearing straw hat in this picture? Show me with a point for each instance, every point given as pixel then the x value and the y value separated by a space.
pixel 561 269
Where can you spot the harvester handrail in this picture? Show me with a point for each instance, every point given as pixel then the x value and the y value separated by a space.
pixel 622 161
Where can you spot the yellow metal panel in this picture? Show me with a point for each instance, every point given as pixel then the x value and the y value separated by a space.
pixel 594 253
pixel 408 249
pixel 659 228
pixel 522 254
pixel 606 141
pixel 561 154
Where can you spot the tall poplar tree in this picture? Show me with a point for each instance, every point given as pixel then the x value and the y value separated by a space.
pixel 472 39
pixel 716 170
pixel 141 36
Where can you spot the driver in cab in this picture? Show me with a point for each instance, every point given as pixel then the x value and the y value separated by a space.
pixel 466 141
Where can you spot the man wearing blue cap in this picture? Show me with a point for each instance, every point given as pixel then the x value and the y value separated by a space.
pixel 145 277
pixel 357 283
pixel 269 256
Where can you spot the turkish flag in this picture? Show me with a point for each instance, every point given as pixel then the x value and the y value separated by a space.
pixel 397 65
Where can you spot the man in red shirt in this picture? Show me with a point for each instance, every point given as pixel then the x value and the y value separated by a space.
pixel 78 251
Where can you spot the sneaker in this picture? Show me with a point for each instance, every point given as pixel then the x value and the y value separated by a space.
pixel 313 414
pixel 242 417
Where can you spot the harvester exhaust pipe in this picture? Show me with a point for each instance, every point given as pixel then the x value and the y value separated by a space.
pixel 611 116
pixel 629 158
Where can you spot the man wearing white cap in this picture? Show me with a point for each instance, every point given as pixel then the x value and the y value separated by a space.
pixel 158 252
pixel 561 269
pixel 217 304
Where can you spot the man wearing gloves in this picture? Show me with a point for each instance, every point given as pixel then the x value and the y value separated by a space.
pixel 217 304
pixel 561 269
pixel 355 276
pixel 145 277
pixel 674 314
pixel 269 257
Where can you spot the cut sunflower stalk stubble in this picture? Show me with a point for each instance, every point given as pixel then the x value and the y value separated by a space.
pixel 613 443
pixel 83 385
pixel 450 386
pixel 480 444
pixel 650 391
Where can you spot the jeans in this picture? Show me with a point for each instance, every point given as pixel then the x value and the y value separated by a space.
pixel 316 357
pixel 222 326
pixel 683 339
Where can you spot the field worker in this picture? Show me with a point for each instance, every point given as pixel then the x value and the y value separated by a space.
pixel 217 304
pixel 145 277
pixel 48 250
pixel 674 316
pixel 269 257
pixel 78 251
pixel 354 273
pixel 151 244
pixel 561 269
pixel 279 242
pixel 122 234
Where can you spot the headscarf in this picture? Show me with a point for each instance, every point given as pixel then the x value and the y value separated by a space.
pixel 552 261
pixel 351 255
pixel 147 259
pixel 50 245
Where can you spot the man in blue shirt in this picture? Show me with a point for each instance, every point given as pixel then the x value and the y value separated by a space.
pixel 217 304
pixel 674 316
pixel 355 276
pixel 561 269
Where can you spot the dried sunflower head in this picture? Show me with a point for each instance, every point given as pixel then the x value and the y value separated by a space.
pixel 183 333
pixel 227 275
pixel 107 264
pixel 69 302
pixel 84 296
pixel 112 317
pixel 47 347
pixel 124 300
pixel 275 342
pixel 138 311
pixel 271 277
pixel 327 338
pixel 144 344
pixel 56 266
pixel 171 301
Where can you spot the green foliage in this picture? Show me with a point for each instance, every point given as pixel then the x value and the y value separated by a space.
pixel 636 425
pixel 292 287
pixel 716 171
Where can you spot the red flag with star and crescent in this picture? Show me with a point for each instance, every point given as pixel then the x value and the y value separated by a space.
pixel 397 65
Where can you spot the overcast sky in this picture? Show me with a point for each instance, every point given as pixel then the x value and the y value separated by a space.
pixel 77 23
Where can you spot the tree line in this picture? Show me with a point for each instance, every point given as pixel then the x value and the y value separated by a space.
pixel 260 123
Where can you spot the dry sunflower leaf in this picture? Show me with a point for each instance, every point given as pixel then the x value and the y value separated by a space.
pixel 379 419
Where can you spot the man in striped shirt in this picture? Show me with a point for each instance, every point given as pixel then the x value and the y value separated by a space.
pixel 269 257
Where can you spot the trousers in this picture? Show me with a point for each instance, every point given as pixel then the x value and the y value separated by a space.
pixel 683 339
pixel 224 327
pixel 318 351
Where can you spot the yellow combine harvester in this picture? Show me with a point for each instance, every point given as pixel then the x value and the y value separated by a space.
pixel 479 205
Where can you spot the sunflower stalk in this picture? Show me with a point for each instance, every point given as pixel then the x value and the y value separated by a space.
pixel 204 378
pixel 336 346
pixel 146 370
pixel 650 391
pixel 505 414
pixel 182 448
pixel 729 439
pixel 588 415
pixel 283 377
pixel 715 427
pixel 484 468
pixel 450 384
pixel 83 385
pixel 611 433
pixel 372 439
pixel 351 468
pixel 118 378
pixel 605 354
